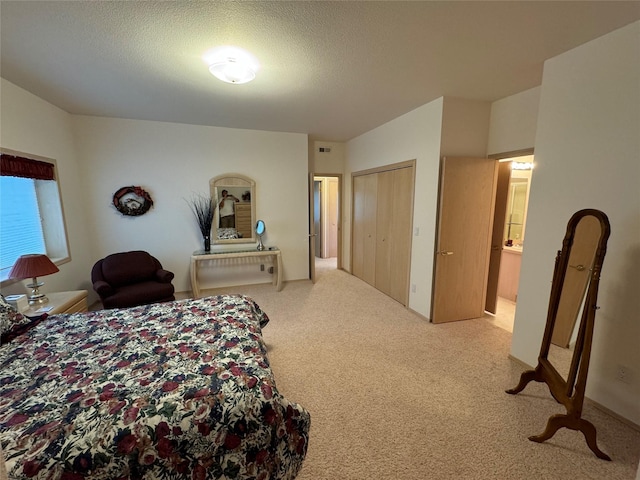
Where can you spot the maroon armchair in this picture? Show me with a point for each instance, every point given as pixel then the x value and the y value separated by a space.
pixel 132 278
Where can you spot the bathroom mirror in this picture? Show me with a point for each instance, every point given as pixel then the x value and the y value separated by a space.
pixel 517 201
pixel 235 213
pixel 260 229
pixel 574 292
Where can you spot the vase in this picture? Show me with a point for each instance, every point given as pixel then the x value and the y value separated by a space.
pixel 207 243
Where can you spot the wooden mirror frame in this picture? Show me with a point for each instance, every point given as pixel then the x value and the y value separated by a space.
pixel 233 180
pixel 570 391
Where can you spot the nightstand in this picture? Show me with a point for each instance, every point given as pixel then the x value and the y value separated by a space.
pixel 62 302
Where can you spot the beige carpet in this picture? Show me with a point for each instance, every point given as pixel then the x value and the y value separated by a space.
pixel 394 397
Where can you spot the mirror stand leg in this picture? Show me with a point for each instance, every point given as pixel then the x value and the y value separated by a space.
pixel 525 378
pixel 588 430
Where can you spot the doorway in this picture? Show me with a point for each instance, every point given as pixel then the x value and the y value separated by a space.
pixel 326 221
pixel 512 201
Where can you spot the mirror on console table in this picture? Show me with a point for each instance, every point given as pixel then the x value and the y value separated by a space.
pixel 235 214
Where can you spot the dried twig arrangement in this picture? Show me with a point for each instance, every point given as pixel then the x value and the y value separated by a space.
pixel 203 208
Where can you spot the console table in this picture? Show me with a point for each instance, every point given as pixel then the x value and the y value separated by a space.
pixel 201 256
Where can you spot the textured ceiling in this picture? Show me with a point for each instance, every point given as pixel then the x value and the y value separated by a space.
pixel 333 70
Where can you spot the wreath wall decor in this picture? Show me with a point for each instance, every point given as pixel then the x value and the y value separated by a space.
pixel 132 201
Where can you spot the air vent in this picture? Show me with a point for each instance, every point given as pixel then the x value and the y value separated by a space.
pixel 324 149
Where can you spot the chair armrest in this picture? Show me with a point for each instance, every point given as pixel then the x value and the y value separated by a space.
pixel 102 288
pixel 164 276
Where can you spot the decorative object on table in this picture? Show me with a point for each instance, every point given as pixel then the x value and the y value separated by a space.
pixel 132 201
pixel 260 229
pixel 19 302
pixel 204 208
pixel 130 279
pixel 32 266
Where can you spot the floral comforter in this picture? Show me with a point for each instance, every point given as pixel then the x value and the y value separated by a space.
pixel 166 391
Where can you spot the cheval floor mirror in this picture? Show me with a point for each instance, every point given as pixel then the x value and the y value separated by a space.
pixel 574 287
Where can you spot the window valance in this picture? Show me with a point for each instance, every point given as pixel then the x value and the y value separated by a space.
pixel 14 166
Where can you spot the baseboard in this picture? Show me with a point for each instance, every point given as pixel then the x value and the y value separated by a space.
pixel 613 414
pixel 419 314
pixel 591 402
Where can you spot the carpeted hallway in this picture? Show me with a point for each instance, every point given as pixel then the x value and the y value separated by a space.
pixel 394 397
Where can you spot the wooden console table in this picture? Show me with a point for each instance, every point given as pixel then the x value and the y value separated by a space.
pixel 201 256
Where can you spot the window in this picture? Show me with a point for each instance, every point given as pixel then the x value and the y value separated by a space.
pixel 31 218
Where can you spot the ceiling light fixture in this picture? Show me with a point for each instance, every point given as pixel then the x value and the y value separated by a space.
pixel 231 64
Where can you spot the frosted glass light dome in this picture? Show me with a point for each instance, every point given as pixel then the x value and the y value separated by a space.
pixel 231 64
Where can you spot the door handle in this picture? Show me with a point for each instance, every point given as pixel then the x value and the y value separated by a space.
pixel 444 253
pixel 580 267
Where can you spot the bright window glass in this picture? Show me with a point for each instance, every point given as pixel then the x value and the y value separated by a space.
pixel 31 220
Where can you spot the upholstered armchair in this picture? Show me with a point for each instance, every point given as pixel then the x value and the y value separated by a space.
pixel 132 278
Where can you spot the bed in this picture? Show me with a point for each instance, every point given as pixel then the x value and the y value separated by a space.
pixel 228 233
pixel 167 391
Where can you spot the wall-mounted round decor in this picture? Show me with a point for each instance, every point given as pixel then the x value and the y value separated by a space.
pixel 132 201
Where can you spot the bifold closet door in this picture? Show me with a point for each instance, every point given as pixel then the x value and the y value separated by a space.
pixel 393 220
pixel 381 235
pixel 364 227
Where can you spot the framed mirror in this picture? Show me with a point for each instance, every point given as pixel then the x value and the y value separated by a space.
pixel 574 293
pixel 235 214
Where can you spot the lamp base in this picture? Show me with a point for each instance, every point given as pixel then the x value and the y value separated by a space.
pixel 39 299
pixel 36 298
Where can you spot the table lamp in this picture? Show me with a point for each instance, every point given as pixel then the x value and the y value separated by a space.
pixel 32 266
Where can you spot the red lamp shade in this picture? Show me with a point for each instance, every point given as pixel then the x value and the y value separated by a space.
pixel 33 265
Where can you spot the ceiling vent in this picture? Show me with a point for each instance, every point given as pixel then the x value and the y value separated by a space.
pixel 324 149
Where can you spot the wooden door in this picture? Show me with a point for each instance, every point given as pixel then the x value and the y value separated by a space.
pixel 499 215
pixel 332 218
pixel 317 216
pixel 401 225
pixel 364 227
pixel 465 218
pixel 312 234
pixel 384 231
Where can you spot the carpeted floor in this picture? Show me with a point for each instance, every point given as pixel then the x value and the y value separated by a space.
pixel 395 397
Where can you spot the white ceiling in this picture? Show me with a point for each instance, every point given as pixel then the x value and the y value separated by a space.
pixel 333 70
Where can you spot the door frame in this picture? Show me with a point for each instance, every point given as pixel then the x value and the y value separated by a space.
pixel 386 168
pixel 312 233
pixel 499 218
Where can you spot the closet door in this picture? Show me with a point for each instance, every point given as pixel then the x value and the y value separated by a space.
pixel 393 246
pixel 382 217
pixel 384 231
pixel 363 249
pixel 400 240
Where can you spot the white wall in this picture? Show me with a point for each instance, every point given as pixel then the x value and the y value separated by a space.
pixel 96 156
pixel 328 162
pixel 465 128
pixel 173 162
pixel 33 126
pixel 415 135
pixel 587 153
pixel 447 126
pixel 513 122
